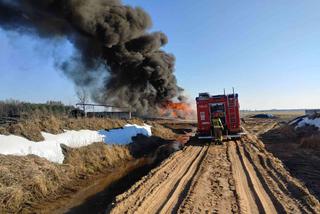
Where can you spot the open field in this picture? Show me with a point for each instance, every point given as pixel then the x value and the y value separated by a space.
pixel 241 176
pixel 211 107
pixel 284 115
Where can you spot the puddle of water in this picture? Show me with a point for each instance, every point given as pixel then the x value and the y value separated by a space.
pixel 98 196
pixel 108 190
pixel 101 201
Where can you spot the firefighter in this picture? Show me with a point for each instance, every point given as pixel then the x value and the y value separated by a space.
pixel 217 128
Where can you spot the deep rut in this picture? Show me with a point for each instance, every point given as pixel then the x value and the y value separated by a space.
pixel 160 191
pixel 238 177
pixel 253 198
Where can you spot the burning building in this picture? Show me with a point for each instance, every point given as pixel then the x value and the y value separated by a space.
pixel 181 110
pixel 103 111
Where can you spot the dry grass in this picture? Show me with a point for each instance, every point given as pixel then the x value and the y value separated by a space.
pixel 311 142
pixel 287 131
pixel 96 123
pixel 27 129
pixel 28 179
pixel 161 131
pixel 96 157
pixel 31 128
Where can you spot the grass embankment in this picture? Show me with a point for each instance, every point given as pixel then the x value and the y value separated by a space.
pixel 281 129
pixel 298 148
pixel 311 142
pixel 28 180
pixel 32 128
pixel 308 137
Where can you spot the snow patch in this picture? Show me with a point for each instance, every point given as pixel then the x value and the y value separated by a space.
pixel 124 135
pixel 307 121
pixel 51 150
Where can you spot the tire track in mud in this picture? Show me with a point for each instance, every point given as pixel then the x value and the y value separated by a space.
pixel 245 196
pixel 213 187
pixel 253 198
pixel 238 177
pixel 183 185
pixel 152 202
pixel 163 188
pixel 275 186
pixel 287 194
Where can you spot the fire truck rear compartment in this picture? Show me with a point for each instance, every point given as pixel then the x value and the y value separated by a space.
pixel 228 109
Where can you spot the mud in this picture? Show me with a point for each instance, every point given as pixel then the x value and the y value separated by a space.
pixel 301 162
pixel 94 191
pixel 237 177
pixel 97 193
pixel 283 142
pixel 107 189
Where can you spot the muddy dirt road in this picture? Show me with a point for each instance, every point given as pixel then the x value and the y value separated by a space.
pixel 238 177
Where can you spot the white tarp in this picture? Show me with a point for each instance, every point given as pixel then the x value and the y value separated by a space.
pixel 50 147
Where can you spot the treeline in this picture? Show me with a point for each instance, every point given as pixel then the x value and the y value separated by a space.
pixel 18 109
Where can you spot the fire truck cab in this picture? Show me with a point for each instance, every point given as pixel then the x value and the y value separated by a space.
pixel 227 106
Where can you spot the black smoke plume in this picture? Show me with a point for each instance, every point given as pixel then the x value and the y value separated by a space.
pixel 113 42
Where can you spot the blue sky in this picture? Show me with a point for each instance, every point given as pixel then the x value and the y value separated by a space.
pixel 268 50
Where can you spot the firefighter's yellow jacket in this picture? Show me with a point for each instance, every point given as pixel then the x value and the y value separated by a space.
pixel 216 123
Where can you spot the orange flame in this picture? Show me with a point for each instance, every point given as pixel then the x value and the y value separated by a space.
pixel 176 110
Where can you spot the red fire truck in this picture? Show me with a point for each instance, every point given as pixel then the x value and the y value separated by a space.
pixel 227 106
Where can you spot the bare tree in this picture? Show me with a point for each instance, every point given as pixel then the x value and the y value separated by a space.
pixel 83 97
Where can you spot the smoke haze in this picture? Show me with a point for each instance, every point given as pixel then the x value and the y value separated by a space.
pixel 113 43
